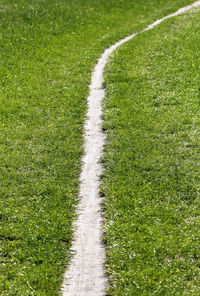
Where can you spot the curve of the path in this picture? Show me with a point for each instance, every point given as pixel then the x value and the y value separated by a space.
pixel 85 276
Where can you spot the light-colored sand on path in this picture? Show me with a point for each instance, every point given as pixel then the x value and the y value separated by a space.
pixel 85 276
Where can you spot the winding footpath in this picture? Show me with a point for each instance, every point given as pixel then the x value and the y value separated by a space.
pixel 85 276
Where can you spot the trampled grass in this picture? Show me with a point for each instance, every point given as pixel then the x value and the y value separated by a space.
pixel 48 50
pixel 152 162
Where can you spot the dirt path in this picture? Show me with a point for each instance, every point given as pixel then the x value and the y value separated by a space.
pixel 85 276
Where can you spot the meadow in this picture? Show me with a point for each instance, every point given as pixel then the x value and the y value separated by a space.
pixel 47 53
pixel 151 181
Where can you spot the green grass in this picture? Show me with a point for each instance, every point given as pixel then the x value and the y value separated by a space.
pixel 48 50
pixel 151 181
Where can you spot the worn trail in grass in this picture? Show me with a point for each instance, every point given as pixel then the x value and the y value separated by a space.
pixel 151 181
pixel 47 53
pixel 86 275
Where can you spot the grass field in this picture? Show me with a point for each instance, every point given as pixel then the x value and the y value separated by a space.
pixel 152 162
pixel 48 50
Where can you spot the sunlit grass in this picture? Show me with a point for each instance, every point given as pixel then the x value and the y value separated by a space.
pixel 152 162
pixel 48 50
